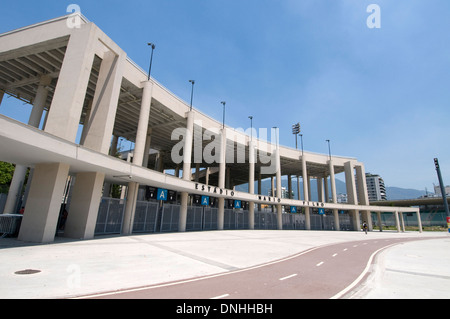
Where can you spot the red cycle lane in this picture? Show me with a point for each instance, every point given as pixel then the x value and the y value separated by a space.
pixel 317 273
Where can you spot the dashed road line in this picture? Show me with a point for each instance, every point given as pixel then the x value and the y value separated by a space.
pixel 287 277
pixel 320 264
pixel 221 296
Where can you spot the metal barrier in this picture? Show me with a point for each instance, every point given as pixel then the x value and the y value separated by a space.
pixel 169 218
pixel 146 217
pixel 151 217
pixel 265 220
pixel 10 224
pixel 110 216
pixel 294 221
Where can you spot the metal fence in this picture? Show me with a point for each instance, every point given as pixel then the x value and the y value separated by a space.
pixel 110 216
pixel 152 217
pixel 265 220
pixel 10 224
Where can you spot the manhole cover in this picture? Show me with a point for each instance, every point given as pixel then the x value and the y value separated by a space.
pixel 27 272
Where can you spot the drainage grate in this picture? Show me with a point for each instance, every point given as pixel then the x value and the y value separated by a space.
pixel 27 272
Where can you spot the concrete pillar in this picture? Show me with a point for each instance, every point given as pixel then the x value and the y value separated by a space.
pixel 84 205
pixel 130 208
pixel 251 184
pixel 363 196
pixel 222 169
pixel 15 189
pixel 351 192
pixel 138 156
pixel 380 224
pixel 402 222
pixel 278 174
pixel 419 220
pixel 44 203
pixel 332 181
pixel 67 103
pixel 320 195
pixel 326 188
pixel 148 142
pixel 39 101
pixel 397 221
pixel 187 156
pixel 306 193
pixel 336 219
pixel 104 105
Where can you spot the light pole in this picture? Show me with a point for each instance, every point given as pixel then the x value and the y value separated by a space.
pixel 192 91
pixel 251 127
pixel 301 141
pixel 329 148
pixel 151 59
pixel 223 118
pixel 296 131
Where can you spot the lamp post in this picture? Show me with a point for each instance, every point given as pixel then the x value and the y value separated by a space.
pixel 151 59
pixel 192 91
pixel 223 118
pixel 296 131
pixel 251 127
pixel 301 141
pixel 329 148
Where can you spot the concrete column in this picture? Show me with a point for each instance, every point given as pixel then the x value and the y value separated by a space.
pixel 320 195
pixel 332 182
pixel 290 186
pixel 104 105
pixel 39 101
pixel 148 142
pixel 397 221
pixel 142 129
pixel 306 193
pixel 15 189
pixel 67 103
pixel 325 186
pixel 351 192
pixel 84 205
pixel 380 224
pixel 187 156
pixel 138 157
pixel 222 169
pixel 402 222
pixel 259 189
pixel 278 174
pixel 44 203
pixel 251 184
pixel 419 220
pixel 363 196
pixel 130 208
pixel 336 219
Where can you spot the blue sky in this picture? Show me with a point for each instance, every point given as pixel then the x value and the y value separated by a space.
pixel 380 95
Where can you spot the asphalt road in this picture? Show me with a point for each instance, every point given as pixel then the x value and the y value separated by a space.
pixel 323 272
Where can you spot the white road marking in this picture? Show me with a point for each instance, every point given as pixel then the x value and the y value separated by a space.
pixel 287 277
pixel 345 249
pixel 334 255
pixel 221 296
pixel 320 264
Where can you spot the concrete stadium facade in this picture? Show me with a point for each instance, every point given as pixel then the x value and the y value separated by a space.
pixel 75 76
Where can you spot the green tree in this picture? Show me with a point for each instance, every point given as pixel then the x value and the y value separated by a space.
pixel 6 174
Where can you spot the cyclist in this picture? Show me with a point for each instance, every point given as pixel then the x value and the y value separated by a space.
pixel 365 227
